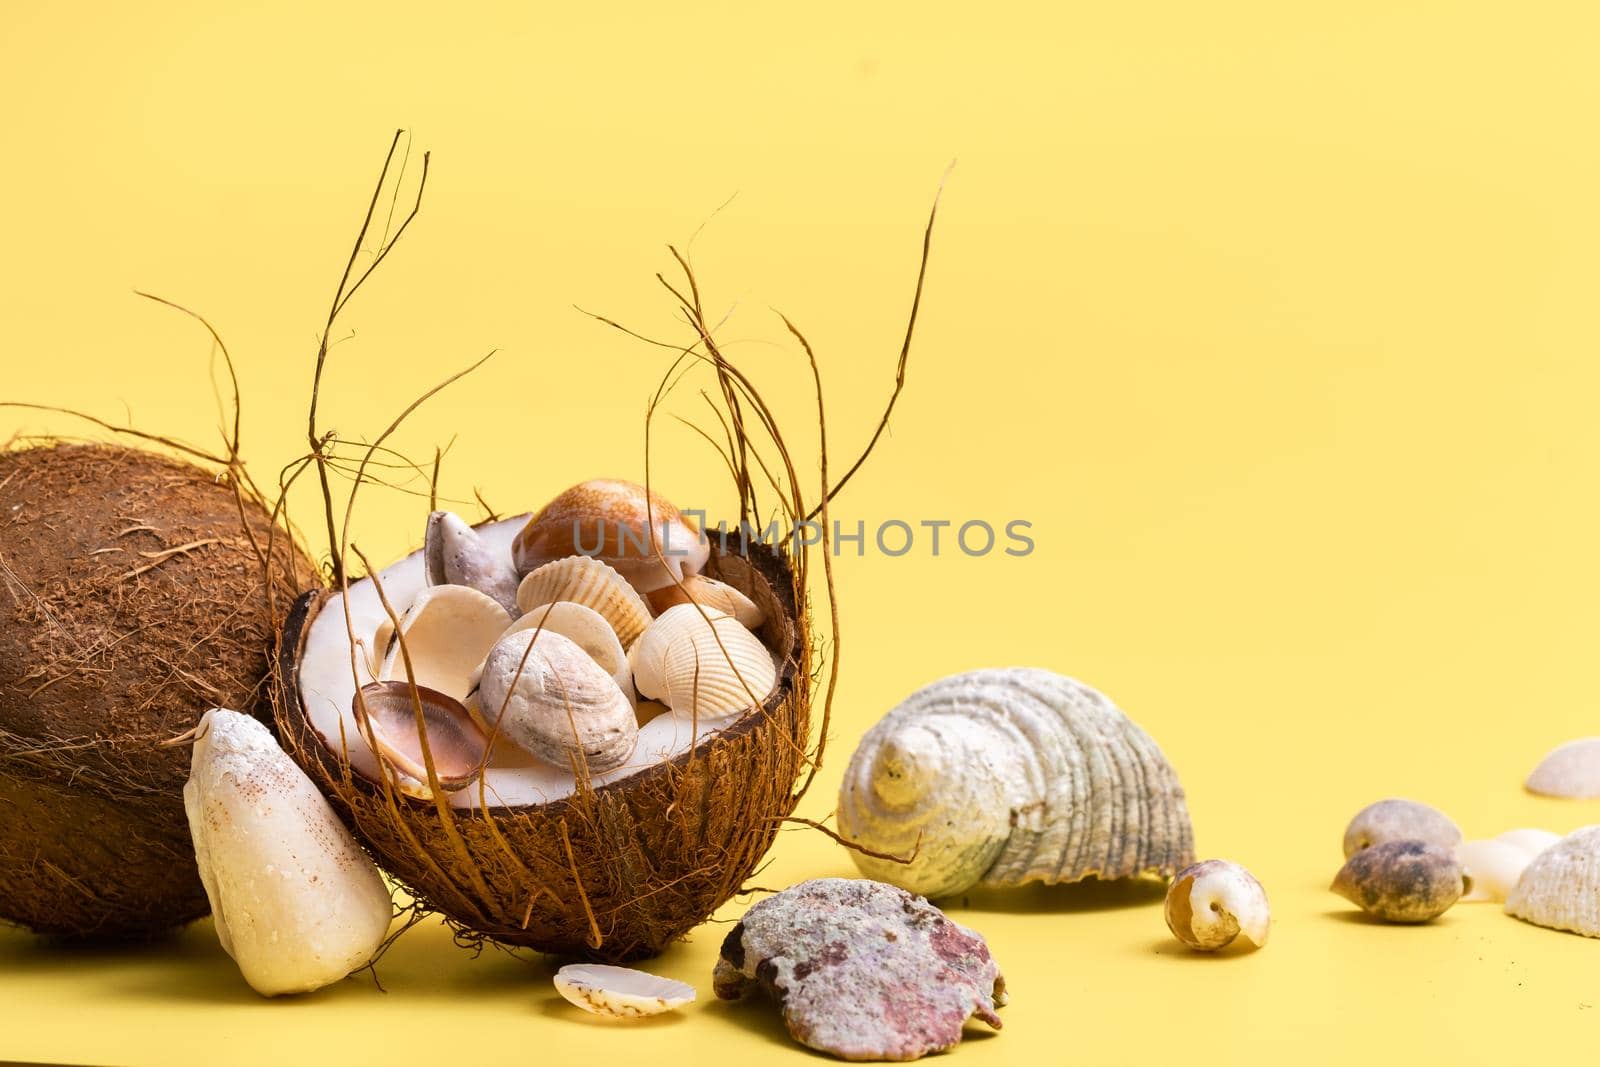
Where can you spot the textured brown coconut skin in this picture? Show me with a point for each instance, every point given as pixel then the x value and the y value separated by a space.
pixel 99 665
pixel 611 874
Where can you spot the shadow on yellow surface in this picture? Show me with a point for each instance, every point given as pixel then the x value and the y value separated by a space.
pixel 1088 895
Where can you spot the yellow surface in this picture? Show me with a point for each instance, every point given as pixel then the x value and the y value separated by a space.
pixel 1277 323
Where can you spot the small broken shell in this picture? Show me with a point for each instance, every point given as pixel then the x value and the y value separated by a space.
pixel 699 589
pixel 620 992
pixel 547 695
pixel 443 636
pixel 589 630
pixel 1399 820
pixel 296 902
pixel 388 712
pixel 1570 771
pixel 1212 902
pixel 614 520
pixel 454 554
pixel 1005 776
pixel 1401 881
pixel 702 664
pixel 593 584
pixel 861 969
pixel 1560 888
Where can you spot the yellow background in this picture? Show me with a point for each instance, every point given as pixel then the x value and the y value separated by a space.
pixel 1276 320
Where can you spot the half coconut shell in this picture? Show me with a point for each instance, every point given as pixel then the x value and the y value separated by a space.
pixel 614 871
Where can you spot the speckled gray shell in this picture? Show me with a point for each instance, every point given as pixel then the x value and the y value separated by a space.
pixel 1005 776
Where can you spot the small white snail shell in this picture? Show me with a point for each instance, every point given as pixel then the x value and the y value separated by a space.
pixel 1212 902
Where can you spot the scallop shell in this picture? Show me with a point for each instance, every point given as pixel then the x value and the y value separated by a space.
pixel 544 693
pixel 388 712
pixel 1561 887
pixel 620 992
pixel 446 632
pixel 589 630
pixel 699 589
pixel 1571 771
pixel 1005 776
pixel 701 663
pixel 612 520
pixel 594 585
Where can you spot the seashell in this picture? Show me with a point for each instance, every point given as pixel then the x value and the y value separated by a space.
pixel 862 970
pixel 609 519
pixel 455 554
pixel 699 589
pixel 1401 881
pixel 593 584
pixel 1532 842
pixel 620 992
pixel 702 664
pixel 1005 776
pixel 387 711
pixel 446 632
pixel 547 695
pixel 1560 888
pixel 296 902
pixel 588 629
pixel 1212 902
pixel 1491 867
pixel 1399 820
pixel 1571 771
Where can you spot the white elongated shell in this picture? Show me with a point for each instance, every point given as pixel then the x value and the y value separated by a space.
pixel 702 664
pixel 1530 841
pixel 1005 776
pixel 712 593
pixel 296 902
pixel 1560 888
pixel 620 992
pixel 546 694
pixel 1210 904
pixel 446 632
pixel 1571 771
pixel 593 584
pixel 455 554
pixel 1492 868
pixel 588 629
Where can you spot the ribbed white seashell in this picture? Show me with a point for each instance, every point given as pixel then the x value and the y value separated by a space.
pixel 1571 771
pixel 702 664
pixel 546 694
pixel 700 589
pixel 295 900
pixel 593 584
pixel 1561 887
pixel 455 554
pixel 446 632
pixel 620 992
pixel 588 629
pixel 1005 776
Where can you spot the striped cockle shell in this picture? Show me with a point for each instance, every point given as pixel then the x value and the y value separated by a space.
pixel 702 664
pixel 1004 776
pixel 1560 888
pixel 699 589
pixel 593 584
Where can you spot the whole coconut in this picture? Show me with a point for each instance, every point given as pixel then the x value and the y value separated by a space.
pixel 133 596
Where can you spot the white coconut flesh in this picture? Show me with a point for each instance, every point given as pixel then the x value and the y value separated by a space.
pixel 328 685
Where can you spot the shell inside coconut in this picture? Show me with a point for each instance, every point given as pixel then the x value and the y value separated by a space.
pixel 609 865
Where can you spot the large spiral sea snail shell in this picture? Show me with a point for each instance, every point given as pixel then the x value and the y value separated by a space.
pixel 1004 776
